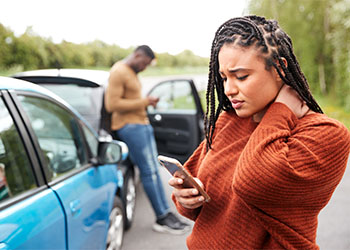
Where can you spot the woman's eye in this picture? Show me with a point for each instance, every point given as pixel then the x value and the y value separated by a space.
pixel 241 78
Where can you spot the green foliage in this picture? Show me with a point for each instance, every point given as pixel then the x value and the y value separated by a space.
pixel 6 39
pixel 30 51
pixel 334 110
pixel 320 33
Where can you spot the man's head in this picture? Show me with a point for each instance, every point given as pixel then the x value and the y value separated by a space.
pixel 140 58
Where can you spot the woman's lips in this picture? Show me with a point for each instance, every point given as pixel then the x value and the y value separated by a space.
pixel 236 104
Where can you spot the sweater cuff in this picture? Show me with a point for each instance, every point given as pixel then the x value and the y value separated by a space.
pixel 188 213
pixel 280 115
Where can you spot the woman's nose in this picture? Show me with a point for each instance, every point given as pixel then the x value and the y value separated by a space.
pixel 230 87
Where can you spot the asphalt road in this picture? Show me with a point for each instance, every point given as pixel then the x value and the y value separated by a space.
pixel 141 236
pixel 334 219
pixel 333 231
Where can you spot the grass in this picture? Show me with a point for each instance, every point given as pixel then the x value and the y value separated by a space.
pixel 333 110
pixel 10 71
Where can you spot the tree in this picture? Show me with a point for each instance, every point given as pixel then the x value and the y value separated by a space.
pixel 6 39
pixel 340 39
pixel 307 23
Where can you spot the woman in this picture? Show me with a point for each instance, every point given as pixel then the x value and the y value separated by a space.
pixel 271 160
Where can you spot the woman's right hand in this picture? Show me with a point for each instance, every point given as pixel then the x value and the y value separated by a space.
pixel 187 197
pixel 288 96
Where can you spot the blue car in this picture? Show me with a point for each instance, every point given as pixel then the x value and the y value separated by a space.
pixel 177 120
pixel 60 185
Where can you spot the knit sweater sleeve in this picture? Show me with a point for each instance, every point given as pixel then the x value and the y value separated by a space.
pixel 115 94
pixel 288 173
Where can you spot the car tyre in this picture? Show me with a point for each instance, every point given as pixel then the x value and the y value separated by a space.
pixel 129 198
pixel 115 234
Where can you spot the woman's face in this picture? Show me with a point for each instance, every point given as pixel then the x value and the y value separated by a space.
pixel 248 85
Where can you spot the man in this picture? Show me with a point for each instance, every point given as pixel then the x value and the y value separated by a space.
pixel 129 122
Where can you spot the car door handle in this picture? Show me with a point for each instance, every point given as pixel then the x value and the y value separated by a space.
pixel 158 118
pixel 75 207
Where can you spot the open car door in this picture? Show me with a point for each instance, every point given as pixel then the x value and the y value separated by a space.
pixel 177 119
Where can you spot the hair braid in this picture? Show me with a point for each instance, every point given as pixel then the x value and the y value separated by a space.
pixel 274 45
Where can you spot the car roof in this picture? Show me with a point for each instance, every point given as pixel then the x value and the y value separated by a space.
pixel 95 77
pixel 8 83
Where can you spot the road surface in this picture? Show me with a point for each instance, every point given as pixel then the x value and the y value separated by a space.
pixel 141 236
pixel 334 219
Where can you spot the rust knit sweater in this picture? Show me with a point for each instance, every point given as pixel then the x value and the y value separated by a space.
pixel 268 181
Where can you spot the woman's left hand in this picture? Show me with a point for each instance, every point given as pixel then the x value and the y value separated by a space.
pixel 293 101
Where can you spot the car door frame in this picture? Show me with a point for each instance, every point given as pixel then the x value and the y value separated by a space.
pixel 165 134
pixel 33 196
pixel 76 173
pixel 15 112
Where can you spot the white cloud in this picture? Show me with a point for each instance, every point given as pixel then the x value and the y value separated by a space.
pixel 167 26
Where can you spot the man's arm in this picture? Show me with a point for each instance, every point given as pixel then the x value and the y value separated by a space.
pixel 114 100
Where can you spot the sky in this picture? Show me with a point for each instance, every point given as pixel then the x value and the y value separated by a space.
pixel 165 25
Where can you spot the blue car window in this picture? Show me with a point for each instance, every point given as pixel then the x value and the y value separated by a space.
pixel 58 133
pixel 91 140
pixel 16 174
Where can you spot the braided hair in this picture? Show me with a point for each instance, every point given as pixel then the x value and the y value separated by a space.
pixel 273 45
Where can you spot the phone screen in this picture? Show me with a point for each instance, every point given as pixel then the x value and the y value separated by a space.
pixel 172 167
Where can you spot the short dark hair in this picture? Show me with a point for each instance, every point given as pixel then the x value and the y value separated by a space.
pixel 147 50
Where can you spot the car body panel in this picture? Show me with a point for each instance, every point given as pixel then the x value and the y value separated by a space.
pixel 70 212
pixel 87 198
pixel 33 227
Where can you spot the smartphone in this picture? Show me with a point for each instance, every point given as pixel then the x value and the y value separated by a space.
pixel 173 165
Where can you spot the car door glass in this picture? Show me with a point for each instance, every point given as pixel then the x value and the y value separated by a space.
pixel 16 174
pixel 91 140
pixel 58 133
pixel 174 96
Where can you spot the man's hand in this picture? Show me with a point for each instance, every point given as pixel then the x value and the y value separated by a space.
pixel 152 101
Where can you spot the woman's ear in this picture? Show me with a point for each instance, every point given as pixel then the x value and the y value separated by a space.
pixel 284 62
pixel 280 68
